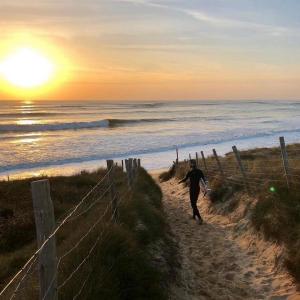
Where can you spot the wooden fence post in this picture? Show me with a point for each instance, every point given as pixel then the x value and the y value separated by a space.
pixel 218 163
pixel 197 159
pixel 139 162
pixel 285 161
pixel 177 159
pixel 45 225
pixel 127 171
pixel 132 169
pixel 241 166
pixel 130 164
pixel 135 166
pixel 113 195
pixel 204 161
pixel 122 165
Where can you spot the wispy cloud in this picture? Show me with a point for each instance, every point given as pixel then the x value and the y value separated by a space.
pixel 236 24
pixel 65 11
pixel 146 3
pixel 217 21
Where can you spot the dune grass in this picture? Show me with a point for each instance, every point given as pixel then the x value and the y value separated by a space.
pixel 277 210
pixel 131 259
pixel 17 232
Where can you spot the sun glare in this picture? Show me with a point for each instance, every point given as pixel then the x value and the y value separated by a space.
pixel 27 68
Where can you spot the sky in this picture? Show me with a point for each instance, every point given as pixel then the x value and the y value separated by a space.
pixel 161 49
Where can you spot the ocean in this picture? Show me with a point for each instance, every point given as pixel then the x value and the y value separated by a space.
pixel 65 137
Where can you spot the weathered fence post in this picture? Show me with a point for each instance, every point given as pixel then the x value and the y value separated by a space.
pixel 204 161
pixel 122 165
pixel 285 161
pixel 45 225
pixel 130 164
pixel 135 166
pixel 127 171
pixel 139 162
pixel 177 158
pixel 113 195
pixel 197 159
pixel 241 166
pixel 132 169
pixel 218 163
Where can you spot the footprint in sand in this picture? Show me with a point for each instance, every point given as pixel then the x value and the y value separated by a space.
pixel 214 266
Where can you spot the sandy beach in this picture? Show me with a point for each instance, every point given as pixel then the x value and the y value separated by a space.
pixel 224 258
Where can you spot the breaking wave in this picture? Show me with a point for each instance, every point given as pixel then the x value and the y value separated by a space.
pixel 107 123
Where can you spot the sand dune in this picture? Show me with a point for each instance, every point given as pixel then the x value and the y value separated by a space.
pixel 222 259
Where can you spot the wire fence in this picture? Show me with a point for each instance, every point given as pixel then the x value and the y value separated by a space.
pixel 66 248
pixel 253 169
pixel 65 257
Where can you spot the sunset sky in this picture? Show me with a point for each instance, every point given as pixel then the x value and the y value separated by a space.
pixel 158 49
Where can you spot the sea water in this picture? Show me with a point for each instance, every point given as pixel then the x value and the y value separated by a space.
pixel 61 137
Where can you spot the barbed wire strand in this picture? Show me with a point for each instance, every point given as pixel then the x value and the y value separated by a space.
pixel 86 257
pixel 92 204
pixel 74 247
pixel 27 273
pixel 78 243
pixel 54 232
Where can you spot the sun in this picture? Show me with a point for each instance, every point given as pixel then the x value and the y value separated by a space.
pixel 27 68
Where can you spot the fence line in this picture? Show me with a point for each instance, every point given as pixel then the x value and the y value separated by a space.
pixel 27 273
pixel 241 167
pixel 52 234
pixel 48 288
pixel 81 263
pixel 218 162
pixel 251 171
pixel 285 162
pixel 112 218
pixel 45 225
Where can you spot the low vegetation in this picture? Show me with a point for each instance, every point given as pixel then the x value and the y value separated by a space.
pixel 276 212
pixel 132 258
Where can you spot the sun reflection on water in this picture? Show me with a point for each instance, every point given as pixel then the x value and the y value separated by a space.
pixel 27 140
pixel 28 122
pixel 27 102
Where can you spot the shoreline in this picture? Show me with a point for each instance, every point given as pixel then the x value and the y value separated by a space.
pixel 152 161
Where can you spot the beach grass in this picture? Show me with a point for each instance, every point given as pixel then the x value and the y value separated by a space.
pixel 133 258
pixel 276 209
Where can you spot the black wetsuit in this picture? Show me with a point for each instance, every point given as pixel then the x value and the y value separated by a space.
pixel 195 176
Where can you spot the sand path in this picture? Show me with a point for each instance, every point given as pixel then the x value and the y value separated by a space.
pixel 214 265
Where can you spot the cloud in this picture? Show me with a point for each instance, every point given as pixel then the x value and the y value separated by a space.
pixel 145 3
pixel 236 24
pixel 69 12
pixel 216 21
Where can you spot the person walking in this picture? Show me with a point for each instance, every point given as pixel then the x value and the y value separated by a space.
pixel 195 175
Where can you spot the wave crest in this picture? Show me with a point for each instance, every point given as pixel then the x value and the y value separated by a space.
pixel 107 123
